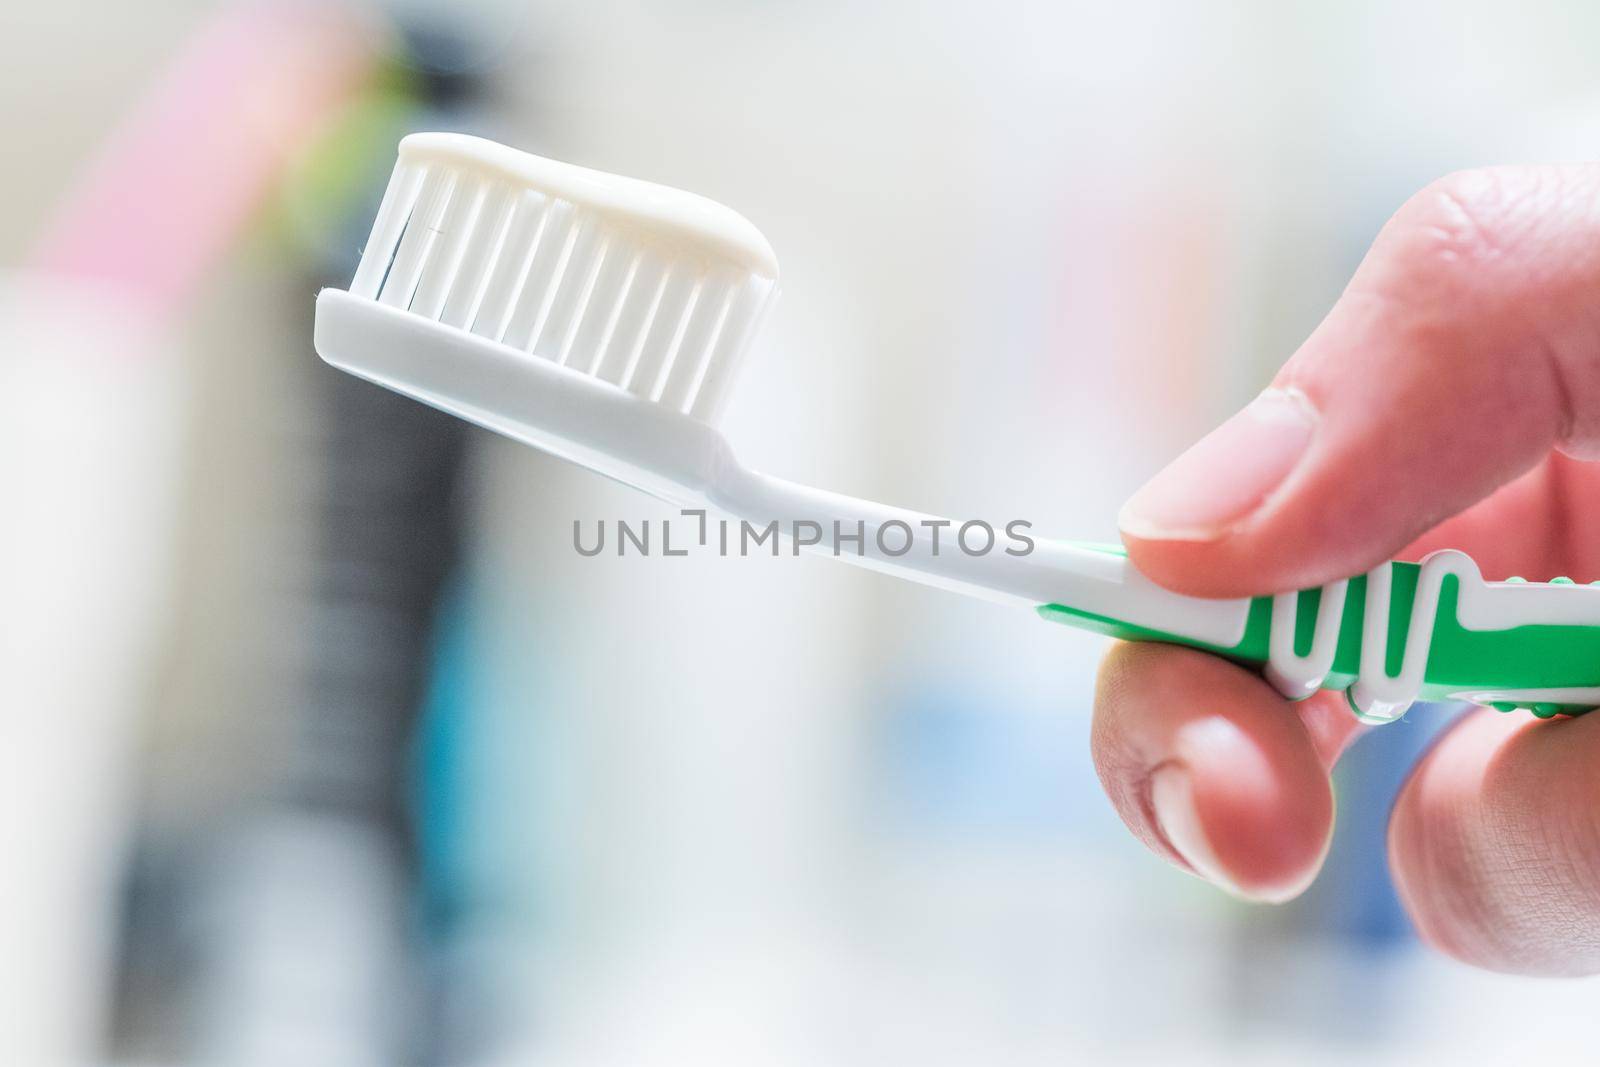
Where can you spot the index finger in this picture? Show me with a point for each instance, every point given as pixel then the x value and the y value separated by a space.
pixel 1463 351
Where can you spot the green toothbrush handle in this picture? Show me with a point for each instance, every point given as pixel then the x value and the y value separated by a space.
pixel 1508 644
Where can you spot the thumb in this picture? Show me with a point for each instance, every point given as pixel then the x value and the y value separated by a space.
pixel 1465 348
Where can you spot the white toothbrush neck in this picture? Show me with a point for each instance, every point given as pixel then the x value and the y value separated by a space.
pixel 927 549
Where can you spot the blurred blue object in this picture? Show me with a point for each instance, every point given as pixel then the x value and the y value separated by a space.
pixel 948 762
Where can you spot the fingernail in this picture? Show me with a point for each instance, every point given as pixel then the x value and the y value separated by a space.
pixel 1227 474
pixel 1172 799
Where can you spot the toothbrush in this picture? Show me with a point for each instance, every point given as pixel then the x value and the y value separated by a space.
pixel 603 319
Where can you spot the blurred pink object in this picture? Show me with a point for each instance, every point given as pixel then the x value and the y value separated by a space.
pixel 98 395
pixel 184 170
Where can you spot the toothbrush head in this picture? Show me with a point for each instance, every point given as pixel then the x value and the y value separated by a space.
pixel 599 318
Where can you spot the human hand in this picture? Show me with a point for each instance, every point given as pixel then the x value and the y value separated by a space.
pixel 1449 399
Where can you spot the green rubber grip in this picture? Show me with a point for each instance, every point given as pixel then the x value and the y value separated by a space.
pixel 1459 660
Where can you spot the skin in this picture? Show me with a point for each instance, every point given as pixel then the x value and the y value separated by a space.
pixel 1451 398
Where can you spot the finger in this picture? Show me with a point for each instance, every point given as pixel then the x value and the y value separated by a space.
pixel 1495 844
pixel 1213 770
pixel 1464 349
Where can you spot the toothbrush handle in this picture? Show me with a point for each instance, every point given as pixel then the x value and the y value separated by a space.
pixel 1404 631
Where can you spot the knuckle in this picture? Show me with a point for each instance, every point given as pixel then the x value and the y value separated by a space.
pixel 1505 227
pixel 1465 210
pixel 1497 268
pixel 1458 228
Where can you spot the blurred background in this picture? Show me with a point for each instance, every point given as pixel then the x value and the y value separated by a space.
pixel 321 745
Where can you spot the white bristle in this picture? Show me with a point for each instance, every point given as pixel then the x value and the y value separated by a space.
pixel 509 267
pixel 533 297
pixel 744 316
pixel 661 333
pixel 422 228
pixel 489 230
pixel 598 274
pixel 694 347
pixel 455 227
pixel 639 306
pixel 398 200
pixel 602 310
pixel 570 290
